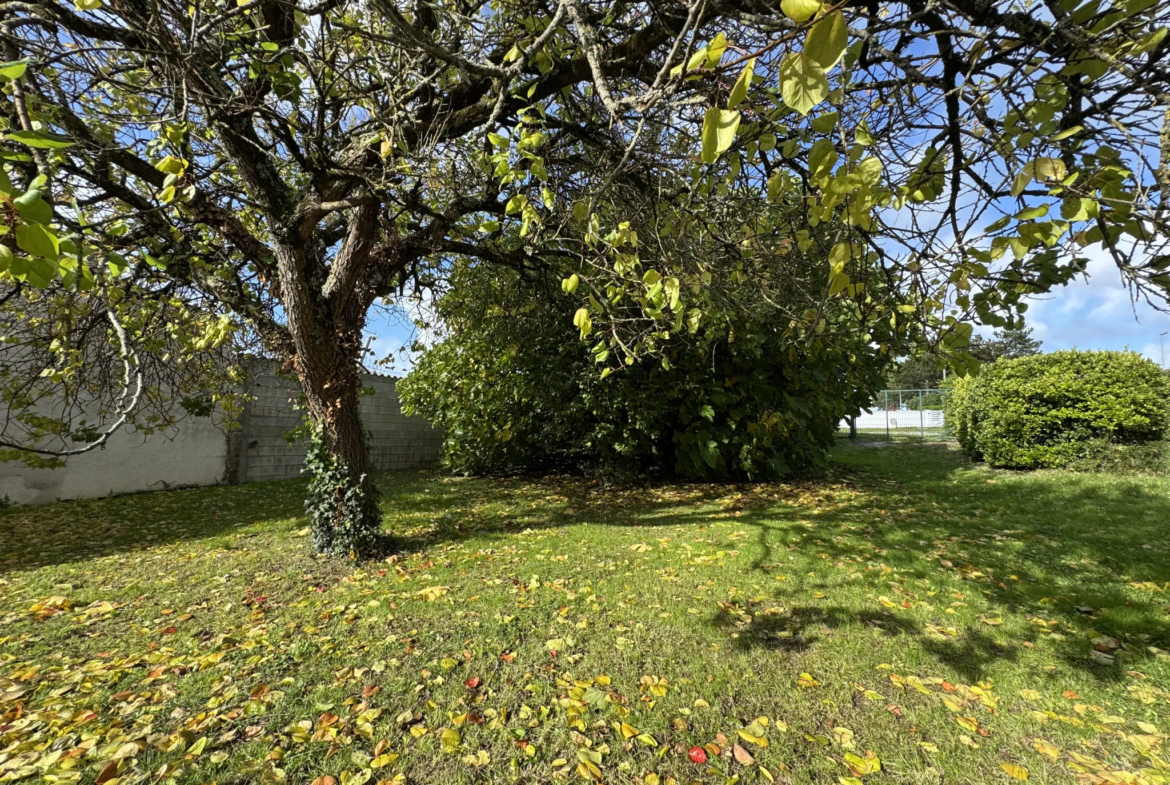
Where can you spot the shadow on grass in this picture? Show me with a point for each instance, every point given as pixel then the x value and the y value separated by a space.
pixel 1052 544
pixel 798 628
pixel 72 531
pixel 1066 548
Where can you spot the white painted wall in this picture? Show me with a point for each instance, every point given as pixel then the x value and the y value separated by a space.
pixel 193 454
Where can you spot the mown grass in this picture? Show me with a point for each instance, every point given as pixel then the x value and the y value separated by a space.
pixel 908 619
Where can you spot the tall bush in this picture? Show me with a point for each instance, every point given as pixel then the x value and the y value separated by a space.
pixel 515 389
pixel 1053 409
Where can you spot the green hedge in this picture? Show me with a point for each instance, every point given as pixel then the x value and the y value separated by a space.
pixel 1051 410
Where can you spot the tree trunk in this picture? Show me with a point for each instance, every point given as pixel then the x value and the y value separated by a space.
pixel 342 501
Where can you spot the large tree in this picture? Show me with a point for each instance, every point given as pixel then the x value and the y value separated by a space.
pixel 294 161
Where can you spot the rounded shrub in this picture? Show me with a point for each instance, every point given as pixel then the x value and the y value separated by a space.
pixel 1053 410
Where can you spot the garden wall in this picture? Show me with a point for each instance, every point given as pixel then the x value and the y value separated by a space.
pixel 198 452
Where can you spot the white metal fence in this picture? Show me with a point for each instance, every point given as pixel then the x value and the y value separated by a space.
pixel 900 413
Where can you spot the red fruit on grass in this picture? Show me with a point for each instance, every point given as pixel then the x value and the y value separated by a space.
pixel 697 755
pixel 471 683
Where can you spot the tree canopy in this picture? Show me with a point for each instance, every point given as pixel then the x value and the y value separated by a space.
pixel 293 162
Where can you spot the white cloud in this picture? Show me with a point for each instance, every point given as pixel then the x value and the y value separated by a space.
pixel 1098 313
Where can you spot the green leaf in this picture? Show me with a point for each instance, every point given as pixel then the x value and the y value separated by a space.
pixel 825 123
pixel 167 195
pixel 862 136
pixel 569 285
pixel 14 69
pixel 40 272
pixel 87 5
pixel 821 159
pixel 5 257
pixel 1020 182
pixel 172 165
pixel 40 140
pixel 270 46
pixel 739 92
pixel 775 183
pixel 31 207
pixel 827 40
pixel 719 126
pixel 1031 213
pixel 1065 134
pixel 800 10
pixel 1000 224
pixel 1046 169
pixel 515 204
pixel 837 283
pixel 802 83
pixel 1076 209
pixel 869 170
pixel 37 240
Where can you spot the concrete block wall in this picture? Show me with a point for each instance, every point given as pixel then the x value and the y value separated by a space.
pixel 193 453
pixel 397 441
pixel 199 453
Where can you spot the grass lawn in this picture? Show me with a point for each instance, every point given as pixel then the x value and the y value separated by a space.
pixel 909 619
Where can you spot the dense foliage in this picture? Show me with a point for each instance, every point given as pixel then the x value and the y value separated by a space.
pixel 515 389
pixel 1050 410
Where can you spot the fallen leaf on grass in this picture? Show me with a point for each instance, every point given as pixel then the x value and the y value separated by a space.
pixel 860 766
pixel 1018 772
pixel 1045 748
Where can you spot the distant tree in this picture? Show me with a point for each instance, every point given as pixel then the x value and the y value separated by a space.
pixel 921 372
pixel 1007 344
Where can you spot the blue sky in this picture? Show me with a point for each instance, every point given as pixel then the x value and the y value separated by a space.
pixel 1092 313
pixel 1098 313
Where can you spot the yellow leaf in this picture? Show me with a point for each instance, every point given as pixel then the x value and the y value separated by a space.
pixel 844 737
pixel 870 764
pixel 450 740
pixel 384 759
pixel 800 10
pixel 1044 748
pixel 759 741
pixel 951 703
pixel 1019 772
pixel 805 680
